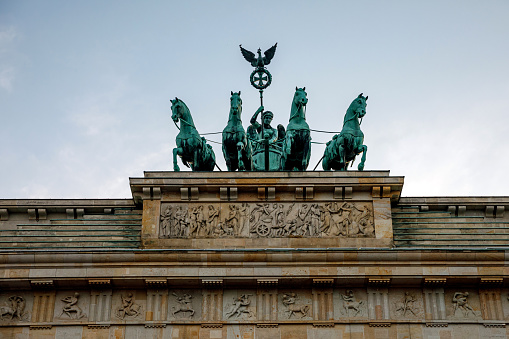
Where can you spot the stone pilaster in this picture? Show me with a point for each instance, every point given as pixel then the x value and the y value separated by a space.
pixel 100 305
pixel 43 307
pixel 378 301
pixel 323 306
pixel 212 304
pixel 157 305
pixel 434 301
pixel 266 304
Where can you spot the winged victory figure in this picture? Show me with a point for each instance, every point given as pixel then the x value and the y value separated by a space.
pixel 259 61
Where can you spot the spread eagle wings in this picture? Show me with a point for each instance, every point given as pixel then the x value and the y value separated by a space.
pixel 256 61
pixel 269 54
pixel 249 56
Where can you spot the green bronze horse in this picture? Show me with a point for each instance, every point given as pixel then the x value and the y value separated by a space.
pixel 298 139
pixel 193 149
pixel 236 148
pixel 345 146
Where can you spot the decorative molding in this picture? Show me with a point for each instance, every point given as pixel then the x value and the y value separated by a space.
pixel 4 214
pixel 499 213
pixel 323 282
pixel 99 325
pixel 324 324
pixel 99 282
pixel 434 282
pixel 42 284
pixel 155 325
pixel 37 214
pixel 267 282
pixel 156 283
pixel 491 281
pixel 379 324
pixel 212 283
pixel 380 282
pixel 40 327
pixel 494 325
pixel 211 325
pixel 436 324
pixel 265 325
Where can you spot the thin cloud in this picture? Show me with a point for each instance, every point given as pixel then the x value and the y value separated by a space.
pixel 6 78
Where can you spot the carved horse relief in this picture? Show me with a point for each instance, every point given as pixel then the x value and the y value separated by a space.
pixel 344 147
pixel 193 149
pixel 298 139
pixel 236 148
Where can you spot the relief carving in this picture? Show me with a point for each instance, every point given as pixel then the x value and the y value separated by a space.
pixel 460 302
pixel 289 301
pixel 128 307
pixel 72 310
pixel 240 307
pixel 184 305
pixel 272 220
pixel 14 308
pixel 351 307
pixel 407 304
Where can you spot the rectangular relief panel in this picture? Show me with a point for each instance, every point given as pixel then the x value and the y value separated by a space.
pixel 267 220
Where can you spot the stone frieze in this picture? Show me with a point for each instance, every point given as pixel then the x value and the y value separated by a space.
pixel 267 220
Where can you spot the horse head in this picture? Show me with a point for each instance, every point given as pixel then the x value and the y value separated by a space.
pixel 176 109
pixel 235 105
pixel 358 106
pixel 300 98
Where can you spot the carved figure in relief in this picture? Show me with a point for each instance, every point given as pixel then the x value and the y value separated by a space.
pixel 184 305
pixel 289 300
pixel 340 218
pixel 243 211
pixel 361 221
pixel 407 304
pixel 240 306
pixel 196 221
pixel 129 308
pixel 166 220
pixel 314 213
pixel 232 221
pixel 72 310
pixel 181 223
pixel 350 303
pixel 15 309
pixel 262 219
pixel 460 302
pixel 212 219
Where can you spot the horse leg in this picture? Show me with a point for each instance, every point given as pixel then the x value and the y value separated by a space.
pixel 240 147
pixel 227 159
pixel 364 149
pixel 176 151
pixel 306 153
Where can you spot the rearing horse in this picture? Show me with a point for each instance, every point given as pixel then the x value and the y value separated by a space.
pixel 236 148
pixel 193 149
pixel 298 140
pixel 345 146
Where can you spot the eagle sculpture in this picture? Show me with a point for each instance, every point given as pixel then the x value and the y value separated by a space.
pixel 259 62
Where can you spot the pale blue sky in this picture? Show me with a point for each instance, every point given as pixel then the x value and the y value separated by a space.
pixel 85 86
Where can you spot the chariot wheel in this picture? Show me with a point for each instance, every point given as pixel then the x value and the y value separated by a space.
pixel 260 78
pixel 263 230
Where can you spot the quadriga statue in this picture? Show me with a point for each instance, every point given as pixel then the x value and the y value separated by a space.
pixel 345 146
pixel 298 139
pixel 236 148
pixel 193 149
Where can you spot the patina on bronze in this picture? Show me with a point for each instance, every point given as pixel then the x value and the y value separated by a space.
pixel 268 143
pixel 193 149
pixel 236 147
pixel 345 146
